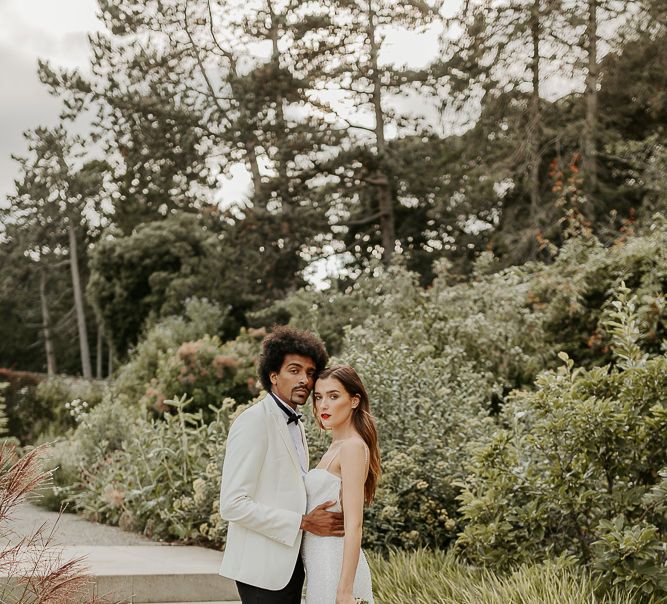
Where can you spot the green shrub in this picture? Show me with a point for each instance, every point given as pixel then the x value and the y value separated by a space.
pixel 206 372
pixel 433 362
pixel 575 290
pixel 26 416
pixel 574 471
pixel 57 395
pixel 131 380
pixel 629 554
pixel 3 410
pixel 164 480
pixel 99 431
pixel 426 577
pixel 428 411
pixel 60 459
pixel 5 440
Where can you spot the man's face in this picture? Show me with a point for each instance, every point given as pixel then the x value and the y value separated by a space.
pixel 295 379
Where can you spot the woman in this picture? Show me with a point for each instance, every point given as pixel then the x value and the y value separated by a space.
pixel 336 568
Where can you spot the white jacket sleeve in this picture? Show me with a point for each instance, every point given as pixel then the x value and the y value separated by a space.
pixel 244 456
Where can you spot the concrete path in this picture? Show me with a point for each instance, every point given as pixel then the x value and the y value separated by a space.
pixel 71 529
pixel 129 567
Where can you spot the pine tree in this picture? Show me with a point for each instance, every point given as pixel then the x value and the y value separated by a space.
pixel 503 52
pixel 48 211
pixel 365 193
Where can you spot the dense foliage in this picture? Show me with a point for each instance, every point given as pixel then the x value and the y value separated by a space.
pixel 425 577
pixel 206 372
pixel 172 489
pixel 480 145
pixel 501 261
pixel 23 410
pixel 575 471
pixel 489 443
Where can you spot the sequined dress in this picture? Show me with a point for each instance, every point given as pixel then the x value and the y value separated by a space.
pixel 323 556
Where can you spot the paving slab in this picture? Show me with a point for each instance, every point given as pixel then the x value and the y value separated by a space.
pixel 128 566
pixel 149 574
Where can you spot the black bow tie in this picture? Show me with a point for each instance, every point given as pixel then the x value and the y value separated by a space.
pixel 297 417
pixel 292 416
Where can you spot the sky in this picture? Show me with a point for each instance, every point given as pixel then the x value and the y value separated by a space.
pixel 56 30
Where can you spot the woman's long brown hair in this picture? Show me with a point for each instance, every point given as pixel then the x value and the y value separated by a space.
pixel 362 419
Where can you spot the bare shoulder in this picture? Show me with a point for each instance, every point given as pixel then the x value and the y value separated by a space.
pixel 353 450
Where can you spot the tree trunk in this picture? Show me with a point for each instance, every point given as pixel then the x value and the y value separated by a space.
pixel 385 198
pixel 590 129
pixel 46 326
pixel 254 168
pixel 375 78
pixel 535 128
pixel 98 353
pixel 283 143
pixel 78 303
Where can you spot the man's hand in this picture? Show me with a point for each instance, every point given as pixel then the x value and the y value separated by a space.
pixel 323 523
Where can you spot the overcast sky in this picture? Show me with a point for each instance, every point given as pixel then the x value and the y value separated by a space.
pixel 57 30
pixel 53 29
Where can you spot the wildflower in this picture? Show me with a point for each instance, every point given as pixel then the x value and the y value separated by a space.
pixel 199 489
pixel 159 405
pixel 114 496
pixel 222 362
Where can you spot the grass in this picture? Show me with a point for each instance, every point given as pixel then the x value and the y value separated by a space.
pixel 437 577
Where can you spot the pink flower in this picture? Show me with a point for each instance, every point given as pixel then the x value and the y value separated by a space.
pixel 114 497
pixel 222 360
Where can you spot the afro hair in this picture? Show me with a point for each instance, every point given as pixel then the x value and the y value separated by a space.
pixel 284 340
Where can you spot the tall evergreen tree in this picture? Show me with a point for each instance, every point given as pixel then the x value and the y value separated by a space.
pixel 365 196
pixel 49 210
pixel 236 75
pixel 153 138
pixel 504 54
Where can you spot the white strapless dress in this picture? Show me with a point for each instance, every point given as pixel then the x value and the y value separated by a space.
pixel 323 556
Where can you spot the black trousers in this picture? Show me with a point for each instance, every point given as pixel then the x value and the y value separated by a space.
pixel 290 594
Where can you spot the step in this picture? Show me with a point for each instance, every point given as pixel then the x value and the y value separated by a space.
pixel 164 574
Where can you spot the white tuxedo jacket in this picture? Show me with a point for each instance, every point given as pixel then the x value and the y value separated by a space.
pixel 263 497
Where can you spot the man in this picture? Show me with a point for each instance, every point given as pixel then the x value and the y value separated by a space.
pixel 262 494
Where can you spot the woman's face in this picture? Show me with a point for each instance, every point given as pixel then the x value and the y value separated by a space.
pixel 333 404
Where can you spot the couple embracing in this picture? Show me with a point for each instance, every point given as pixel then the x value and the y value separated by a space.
pixel 286 521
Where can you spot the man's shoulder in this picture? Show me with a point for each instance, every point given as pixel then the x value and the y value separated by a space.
pixel 256 412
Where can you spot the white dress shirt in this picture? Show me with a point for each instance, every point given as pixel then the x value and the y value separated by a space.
pixel 295 432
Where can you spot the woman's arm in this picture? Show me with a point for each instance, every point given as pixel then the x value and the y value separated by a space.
pixel 353 473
